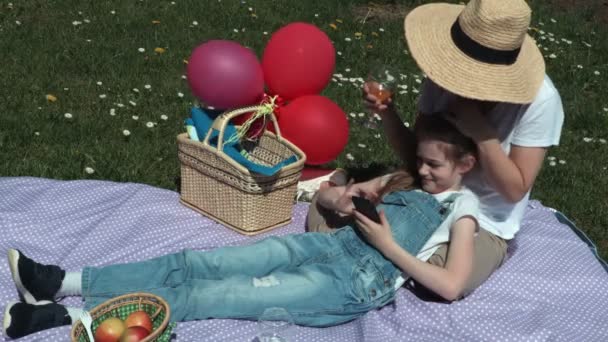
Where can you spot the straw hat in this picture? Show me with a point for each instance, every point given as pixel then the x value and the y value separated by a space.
pixel 480 51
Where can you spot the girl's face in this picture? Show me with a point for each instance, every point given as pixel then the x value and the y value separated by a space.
pixel 437 171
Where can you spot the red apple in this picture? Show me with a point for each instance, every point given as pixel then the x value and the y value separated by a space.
pixel 139 319
pixel 134 334
pixel 110 330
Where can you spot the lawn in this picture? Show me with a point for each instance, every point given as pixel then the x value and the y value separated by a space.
pixel 97 90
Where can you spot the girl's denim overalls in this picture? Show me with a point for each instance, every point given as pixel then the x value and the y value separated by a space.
pixel 321 279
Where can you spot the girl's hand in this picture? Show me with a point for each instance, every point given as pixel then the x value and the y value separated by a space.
pixel 378 235
pixel 369 189
pixel 344 204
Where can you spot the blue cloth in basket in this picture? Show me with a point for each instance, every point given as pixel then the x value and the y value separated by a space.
pixel 202 123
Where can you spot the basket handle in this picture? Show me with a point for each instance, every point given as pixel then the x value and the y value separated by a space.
pixel 222 120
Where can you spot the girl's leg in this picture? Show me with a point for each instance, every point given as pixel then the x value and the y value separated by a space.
pixel 173 270
pixel 315 294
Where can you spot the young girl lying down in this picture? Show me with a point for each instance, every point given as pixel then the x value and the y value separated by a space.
pixel 321 279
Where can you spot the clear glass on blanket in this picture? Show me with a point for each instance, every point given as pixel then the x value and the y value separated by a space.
pixel 274 325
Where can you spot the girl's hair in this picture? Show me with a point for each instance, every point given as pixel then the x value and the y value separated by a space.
pixel 433 127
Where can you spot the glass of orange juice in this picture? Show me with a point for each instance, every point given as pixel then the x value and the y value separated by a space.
pixel 381 81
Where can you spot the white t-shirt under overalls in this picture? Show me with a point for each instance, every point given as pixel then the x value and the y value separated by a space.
pixel 465 205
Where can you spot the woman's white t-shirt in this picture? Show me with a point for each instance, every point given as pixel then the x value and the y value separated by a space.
pixel 538 124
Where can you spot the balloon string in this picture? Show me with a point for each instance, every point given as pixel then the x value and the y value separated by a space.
pixel 267 108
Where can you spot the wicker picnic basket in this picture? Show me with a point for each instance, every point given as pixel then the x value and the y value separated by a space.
pixel 215 185
pixel 121 307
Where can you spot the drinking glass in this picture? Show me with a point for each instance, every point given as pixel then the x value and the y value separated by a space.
pixel 381 81
pixel 274 325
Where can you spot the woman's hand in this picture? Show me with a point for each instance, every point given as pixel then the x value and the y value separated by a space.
pixel 468 117
pixel 378 235
pixel 374 104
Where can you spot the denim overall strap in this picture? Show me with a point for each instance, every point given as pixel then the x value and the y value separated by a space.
pixel 448 202
pixel 414 216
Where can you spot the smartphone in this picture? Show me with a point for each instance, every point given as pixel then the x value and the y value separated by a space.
pixel 366 207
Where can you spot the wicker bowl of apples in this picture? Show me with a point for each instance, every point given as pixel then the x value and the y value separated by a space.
pixel 133 317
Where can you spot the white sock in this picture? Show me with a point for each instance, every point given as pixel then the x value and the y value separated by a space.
pixel 71 285
pixel 74 313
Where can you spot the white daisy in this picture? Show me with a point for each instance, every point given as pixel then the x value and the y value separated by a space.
pixel 89 170
pixel 126 132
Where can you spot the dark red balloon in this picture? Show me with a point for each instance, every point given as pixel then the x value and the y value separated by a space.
pixel 317 126
pixel 223 74
pixel 298 60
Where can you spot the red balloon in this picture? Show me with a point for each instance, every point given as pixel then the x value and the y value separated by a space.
pixel 298 60
pixel 317 126
pixel 223 74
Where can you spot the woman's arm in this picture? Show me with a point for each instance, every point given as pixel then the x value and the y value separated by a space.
pixel 448 282
pixel 401 138
pixel 511 175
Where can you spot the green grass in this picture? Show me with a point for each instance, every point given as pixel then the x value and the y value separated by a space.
pixel 47 54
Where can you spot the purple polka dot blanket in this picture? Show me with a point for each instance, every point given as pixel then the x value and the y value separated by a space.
pixel 551 287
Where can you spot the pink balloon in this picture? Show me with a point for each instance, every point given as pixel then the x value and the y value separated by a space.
pixel 224 74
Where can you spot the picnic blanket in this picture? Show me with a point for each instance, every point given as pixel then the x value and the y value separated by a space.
pixel 551 288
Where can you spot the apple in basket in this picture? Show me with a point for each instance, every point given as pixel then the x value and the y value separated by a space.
pixel 139 318
pixel 134 334
pixel 110 330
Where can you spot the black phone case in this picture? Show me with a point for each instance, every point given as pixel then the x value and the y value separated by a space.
pixel 366 207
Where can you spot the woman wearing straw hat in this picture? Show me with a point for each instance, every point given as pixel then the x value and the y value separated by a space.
pixel 485 71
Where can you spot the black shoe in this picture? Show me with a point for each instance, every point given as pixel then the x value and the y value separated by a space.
pixel 22 319
pixel 35 282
